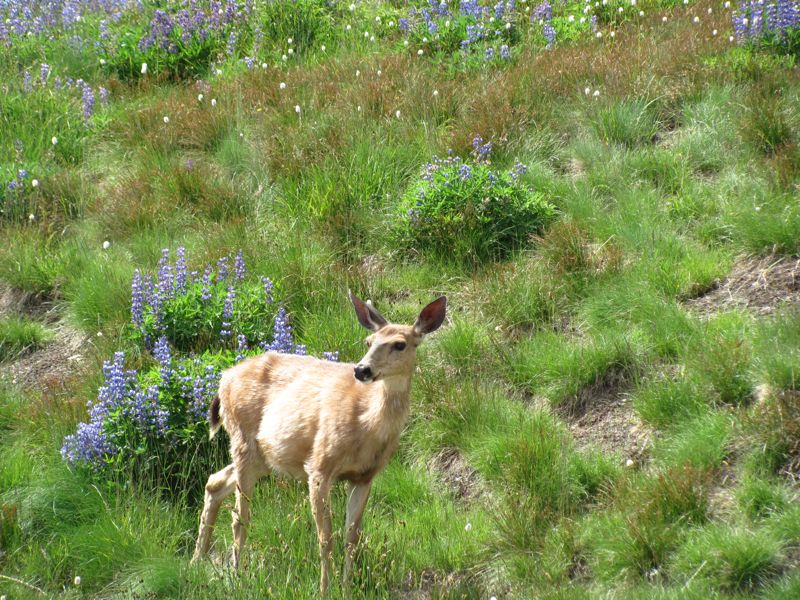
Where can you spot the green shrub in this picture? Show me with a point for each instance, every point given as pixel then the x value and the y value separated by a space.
pixel 470 212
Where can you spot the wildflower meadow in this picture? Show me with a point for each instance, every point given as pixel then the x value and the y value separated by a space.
pixel 606 192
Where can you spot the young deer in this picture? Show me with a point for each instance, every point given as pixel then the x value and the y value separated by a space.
pixel 316 420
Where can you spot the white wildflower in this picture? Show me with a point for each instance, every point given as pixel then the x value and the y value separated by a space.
pixel 144 68
pixel 166 119
pixel 106 245
pixel 35 183
pixel 282 85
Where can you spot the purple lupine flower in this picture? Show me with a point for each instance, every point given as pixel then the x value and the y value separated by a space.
pixel 199 400
pixel 505 53
pixel 465 172
pixel 241 347
pixel 180 270
pixel 165 287
pixel 268 287
pixel 162 354
pixel 239 270
pixel 282 339
pixel 27 82
pixel 205 296
pixel 481 150
pixel 137 300
pixel 488 54
pixel 222 269
pixel 227 313
pixel 103 93
pixel 88 103
pixel 542 12
pixel 331 356
pixel 518 170
pixel 44 71
pixel 146 411
pixel 549 33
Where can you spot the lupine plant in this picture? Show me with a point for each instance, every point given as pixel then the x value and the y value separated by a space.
pixel 468 210
pixel 772 24
pixel 152 421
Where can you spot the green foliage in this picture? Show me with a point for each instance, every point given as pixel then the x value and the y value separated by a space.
pixel 308 23
pixel 470 212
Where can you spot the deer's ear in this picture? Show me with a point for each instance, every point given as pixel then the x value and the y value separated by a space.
pixel 431 317
pixel 367 315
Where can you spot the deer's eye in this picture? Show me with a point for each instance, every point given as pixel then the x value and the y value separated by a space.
pixel 368 343
pixel 399 346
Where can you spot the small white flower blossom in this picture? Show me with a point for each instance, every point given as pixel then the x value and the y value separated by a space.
pixel 397 114
pixel 35 183
pixel 322 47
pixel 596 94
pixel 468 526
pixel 264 65
pixel 213 102
pixel 297 108
pixel 435 93
pixel 348 27
pixel 282 85
pixel 291 51
pixel 641 13
pixel 587 91
pixel 352 7
pixel 612 34
pixel 289 41
pixel 31 217
pixel 77 580
pixel 54 140
pixel 166 119
pixel 420 52
pixel 199 97
pixel 714 33
pixel 664 19
pixel 144 68
pixel 284 57
pixel 106 245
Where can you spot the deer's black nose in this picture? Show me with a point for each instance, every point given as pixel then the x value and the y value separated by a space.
pixel 363 373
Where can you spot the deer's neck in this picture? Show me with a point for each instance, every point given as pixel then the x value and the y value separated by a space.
pixel 388 406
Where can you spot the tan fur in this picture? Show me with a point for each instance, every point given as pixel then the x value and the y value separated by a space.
pixel 312 419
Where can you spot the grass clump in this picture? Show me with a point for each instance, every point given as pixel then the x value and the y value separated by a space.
pixel 18 336
pixel 470 212
pixel 733 559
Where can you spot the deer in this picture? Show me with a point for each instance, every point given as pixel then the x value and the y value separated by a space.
pixel 315 420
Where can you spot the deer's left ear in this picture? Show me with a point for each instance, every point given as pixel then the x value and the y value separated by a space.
pixel 431 317
pixel 367 315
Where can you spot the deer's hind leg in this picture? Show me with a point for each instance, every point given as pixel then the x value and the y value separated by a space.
pixel 219 486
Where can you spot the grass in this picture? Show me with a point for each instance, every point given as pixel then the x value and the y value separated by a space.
pixel 685 160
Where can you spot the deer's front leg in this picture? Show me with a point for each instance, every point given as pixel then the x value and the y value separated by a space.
pixel 357 496
pixel 319 488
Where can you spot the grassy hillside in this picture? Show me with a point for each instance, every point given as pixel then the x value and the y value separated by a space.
pixel 607 193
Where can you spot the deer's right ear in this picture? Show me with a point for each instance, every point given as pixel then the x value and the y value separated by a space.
pixel 431 317
pixel 367 315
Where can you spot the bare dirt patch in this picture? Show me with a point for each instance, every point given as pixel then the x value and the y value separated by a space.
pixel 53 364
pixel 759 284
pixel 17 302
pixel 603 418
pixel 464 482
pixel 59 359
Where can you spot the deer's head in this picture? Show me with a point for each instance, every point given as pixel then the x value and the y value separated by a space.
pixel 392 349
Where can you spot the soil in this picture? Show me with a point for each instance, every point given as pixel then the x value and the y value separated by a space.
pixel 58 360
pixel 462 480
pixel 759 284
pixel 603 418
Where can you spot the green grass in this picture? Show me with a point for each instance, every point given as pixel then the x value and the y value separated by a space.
pixel 685 161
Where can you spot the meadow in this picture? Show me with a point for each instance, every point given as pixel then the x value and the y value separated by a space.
pixel 607 192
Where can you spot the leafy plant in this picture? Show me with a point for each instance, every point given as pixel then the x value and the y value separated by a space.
pixel 469 211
